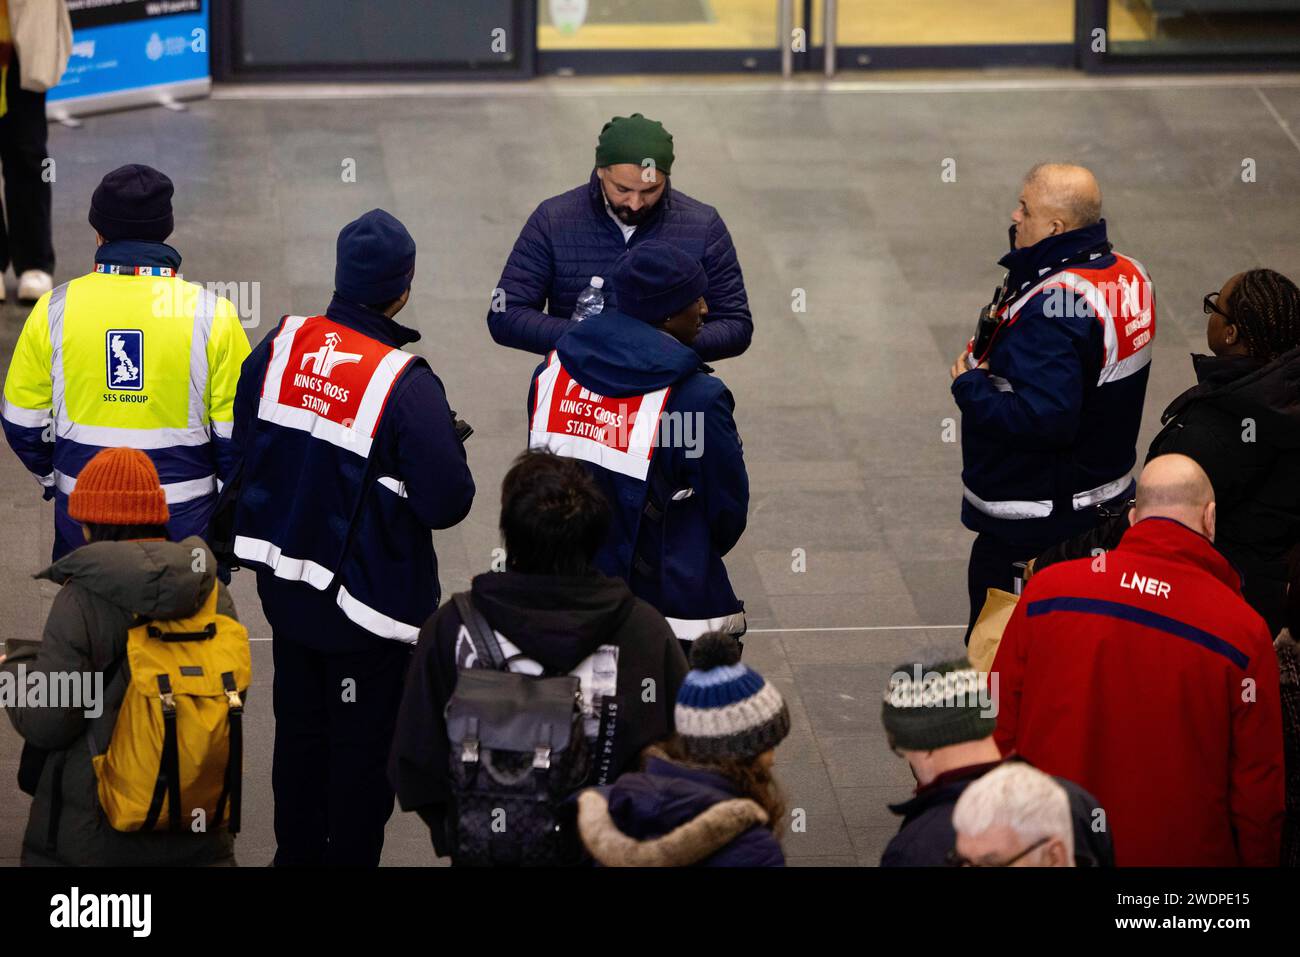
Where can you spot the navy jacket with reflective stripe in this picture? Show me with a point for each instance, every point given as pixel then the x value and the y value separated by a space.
pixel 390 564
pixel 1051 431
pixel 615 355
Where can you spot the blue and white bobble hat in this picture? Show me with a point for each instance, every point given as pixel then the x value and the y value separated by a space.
pixel 726 710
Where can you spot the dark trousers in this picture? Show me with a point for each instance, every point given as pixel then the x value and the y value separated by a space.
pixel 992 566
pixel 334 719
pixel 25 237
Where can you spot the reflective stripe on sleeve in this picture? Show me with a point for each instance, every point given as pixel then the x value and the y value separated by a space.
pixel 24 418
pixel 688 629
pixel 1041 508
pixel 204 311
pixel 1102 493
pixel 375 622
pixel 291 569
pixel 54 315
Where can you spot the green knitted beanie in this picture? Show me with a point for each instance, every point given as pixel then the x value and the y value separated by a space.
pixel 634 139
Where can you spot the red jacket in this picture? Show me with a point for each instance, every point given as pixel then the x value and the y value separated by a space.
pixel 1126 673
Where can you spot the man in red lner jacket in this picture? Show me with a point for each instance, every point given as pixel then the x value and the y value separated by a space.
pixel 1143 675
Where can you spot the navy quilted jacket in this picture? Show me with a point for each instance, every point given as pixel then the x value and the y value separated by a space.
pixel 571 237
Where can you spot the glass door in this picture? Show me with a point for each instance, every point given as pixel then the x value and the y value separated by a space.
pixel 642 36
pixel 884 34
pixel 1159 34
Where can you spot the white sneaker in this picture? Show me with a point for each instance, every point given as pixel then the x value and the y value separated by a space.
pixel 33 284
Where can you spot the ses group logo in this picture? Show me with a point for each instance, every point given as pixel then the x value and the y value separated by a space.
pixel 124 351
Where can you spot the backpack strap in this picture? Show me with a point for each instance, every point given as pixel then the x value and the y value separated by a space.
pixel 231 787
pixel 658 494
pixel 486 647
pixel 169 771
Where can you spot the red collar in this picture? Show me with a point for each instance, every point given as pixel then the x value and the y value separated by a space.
pixel 1170 539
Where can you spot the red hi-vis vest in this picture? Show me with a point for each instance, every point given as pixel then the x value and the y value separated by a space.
pixel 332 383
pixel 329 380
pixel 619 434
pixel 1123 300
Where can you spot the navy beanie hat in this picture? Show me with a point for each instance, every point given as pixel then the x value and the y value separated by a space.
pixel 375 259
pixel 133 202
pixel 726 710
pixel 655 280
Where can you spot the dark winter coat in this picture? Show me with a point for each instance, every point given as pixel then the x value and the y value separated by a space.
pixel 699 494
pixel 416 478
pixel 1241 423
pixel 926 835
pixel 107 588
pixel 558 622
pixel 675 815
pixel 1051 426
pixel 571 237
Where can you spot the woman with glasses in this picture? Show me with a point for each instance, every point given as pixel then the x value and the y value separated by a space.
pixel 1241 423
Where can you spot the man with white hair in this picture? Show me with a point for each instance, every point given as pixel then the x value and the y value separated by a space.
pixel 1051 387
pixel 1143 675
pixel 1014 816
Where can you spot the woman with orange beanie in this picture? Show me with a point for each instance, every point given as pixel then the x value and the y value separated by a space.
pixel 126 573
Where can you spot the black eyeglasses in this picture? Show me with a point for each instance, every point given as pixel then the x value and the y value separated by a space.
pixel 1210 305
pixel 956 860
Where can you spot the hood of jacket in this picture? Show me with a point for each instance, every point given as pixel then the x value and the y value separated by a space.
pixel 1268 392
pixel 155 579
pixel 670 815
pixel 665 795
pixel 557 620
pixel 615 355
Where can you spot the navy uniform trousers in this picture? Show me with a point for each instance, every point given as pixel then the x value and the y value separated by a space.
pixel 336 693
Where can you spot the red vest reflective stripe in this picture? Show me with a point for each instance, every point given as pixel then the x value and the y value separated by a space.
pixel 1123 301
pixel 329 380
pixel 619 434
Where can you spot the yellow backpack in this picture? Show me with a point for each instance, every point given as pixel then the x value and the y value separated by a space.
pixel 177 744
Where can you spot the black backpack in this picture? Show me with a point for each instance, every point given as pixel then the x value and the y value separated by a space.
pixel 518 752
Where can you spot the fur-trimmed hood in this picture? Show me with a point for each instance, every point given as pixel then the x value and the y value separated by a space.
pixel 684 846
pixel 675 815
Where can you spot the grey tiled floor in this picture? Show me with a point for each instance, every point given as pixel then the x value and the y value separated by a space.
pixel 841 407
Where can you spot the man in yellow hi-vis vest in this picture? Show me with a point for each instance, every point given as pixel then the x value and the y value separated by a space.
pixel 128 355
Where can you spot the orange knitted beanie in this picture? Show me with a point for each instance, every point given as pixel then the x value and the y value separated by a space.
pixel 119 487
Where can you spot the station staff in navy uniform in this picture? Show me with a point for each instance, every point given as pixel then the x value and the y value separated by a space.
pixel 349 457
pixel 1051 390
pixel 624 392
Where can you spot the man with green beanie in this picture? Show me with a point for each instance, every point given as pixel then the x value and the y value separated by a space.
pixel 576 237
pixel 940 718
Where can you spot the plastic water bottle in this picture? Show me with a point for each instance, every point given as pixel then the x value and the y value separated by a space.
pixel 591 301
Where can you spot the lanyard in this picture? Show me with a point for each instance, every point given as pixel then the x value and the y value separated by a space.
pixel 115 270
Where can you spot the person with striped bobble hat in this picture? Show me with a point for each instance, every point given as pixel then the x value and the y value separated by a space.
pixel 707 796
